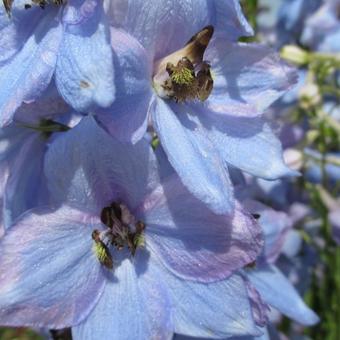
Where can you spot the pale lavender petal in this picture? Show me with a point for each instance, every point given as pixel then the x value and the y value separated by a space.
pixel 192 241
pixel 247 143
pixel 275 226
pixel 164 27
pixel 50 277
pixel 216 310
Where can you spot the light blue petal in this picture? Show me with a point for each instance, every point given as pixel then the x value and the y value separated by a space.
pixel 16 29
pixel 133 306
pixel 275 226
pixel 250 75
pixel 126 119
pixel 86 175
pixel 278 292
pixel 193 156
pixel 28 73
pixel 245 143
pixel 49 275
pixel 85 74
pixel 49 105
pixel 26 186
pixel 214 310
pixel 161 30
pixel 12 140
pixel 230 20
pixel 192 241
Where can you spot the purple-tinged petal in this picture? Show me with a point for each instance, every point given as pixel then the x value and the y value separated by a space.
pixel 49 277
pixel 89 176
pixel 251 75
pixel 275 226
pixel 126 119
pixel 28 73
pixel 164 27
pixel 278 292
pixel 133 306
pixel 193 156
pixel 245 143
pixel 259 308
pixel 198 311
pixel 85 73
pixel 192 241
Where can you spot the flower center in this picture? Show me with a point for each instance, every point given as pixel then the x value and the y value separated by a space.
pixel 123 232
pixel 184 75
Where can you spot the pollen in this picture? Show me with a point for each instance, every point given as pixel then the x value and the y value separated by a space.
pixel 183 76
pixel 100 252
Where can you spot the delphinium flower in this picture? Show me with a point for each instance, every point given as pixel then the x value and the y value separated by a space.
pixel 203 99
pixel 122 255
pixel 67 40
pixel 23 146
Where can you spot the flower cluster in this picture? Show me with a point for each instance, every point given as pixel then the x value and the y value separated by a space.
pixel 125 126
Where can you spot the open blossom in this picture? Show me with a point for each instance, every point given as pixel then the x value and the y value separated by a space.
pixel 68 41
pixel 204 128
pixel 121 251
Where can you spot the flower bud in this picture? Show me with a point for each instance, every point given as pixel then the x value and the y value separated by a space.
pixel 295 55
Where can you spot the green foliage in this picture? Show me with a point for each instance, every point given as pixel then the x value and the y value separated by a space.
pixel 18 334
